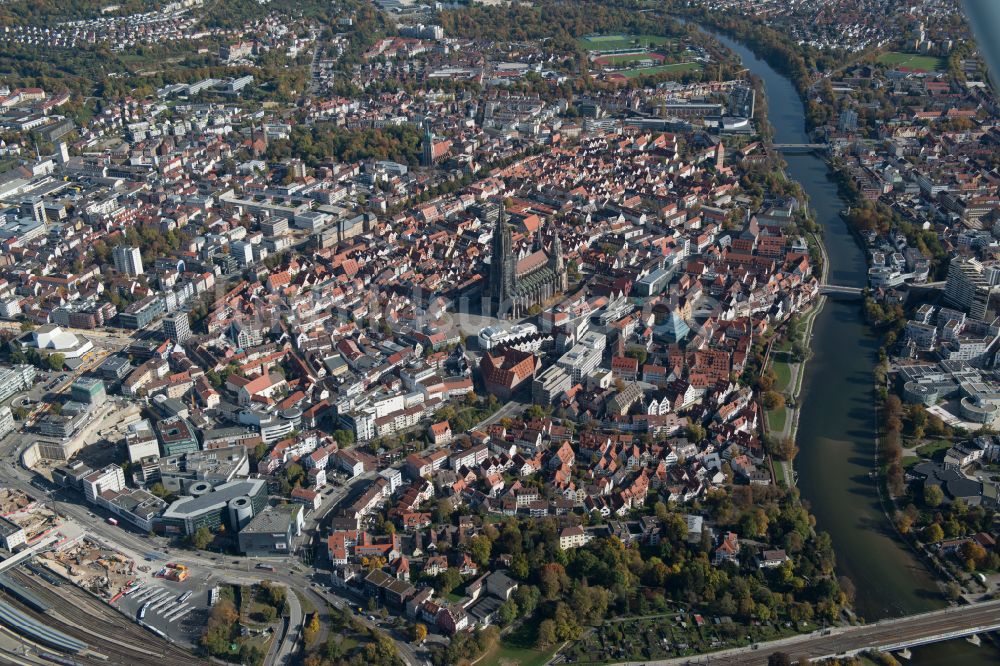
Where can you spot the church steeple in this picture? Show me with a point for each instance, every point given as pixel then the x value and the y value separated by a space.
pixel 502 266
pixel 427 157
pixel 559 263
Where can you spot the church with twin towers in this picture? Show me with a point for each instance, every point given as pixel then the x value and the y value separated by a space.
pixel 515 286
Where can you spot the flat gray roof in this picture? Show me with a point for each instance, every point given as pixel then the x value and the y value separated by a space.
pixel 272 520
pixel 186 507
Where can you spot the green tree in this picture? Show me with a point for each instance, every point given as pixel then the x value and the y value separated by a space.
pixel 343 437
pixel 519 566
pixel 695 432
pixel 479 548
pixel 507 612
pixel 933 496
pixel 201 538
pixel 546 633
pixel 56 361
pixel 933 533
pixel 160 491
pixel 448 580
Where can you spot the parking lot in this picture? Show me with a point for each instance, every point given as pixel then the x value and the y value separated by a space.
pixel 169 607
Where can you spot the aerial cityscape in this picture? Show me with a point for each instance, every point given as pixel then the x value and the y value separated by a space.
pixel 499 332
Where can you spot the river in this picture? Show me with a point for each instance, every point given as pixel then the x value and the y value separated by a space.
pixel 837 422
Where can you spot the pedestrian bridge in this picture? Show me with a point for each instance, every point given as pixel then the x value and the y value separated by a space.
pixel 840 289
pixel 800 146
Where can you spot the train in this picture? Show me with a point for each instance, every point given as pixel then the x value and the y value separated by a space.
pixel 58 659
pixel 43 574
pixel 157 632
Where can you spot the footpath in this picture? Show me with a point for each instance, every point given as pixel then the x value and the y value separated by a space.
pixel 784 422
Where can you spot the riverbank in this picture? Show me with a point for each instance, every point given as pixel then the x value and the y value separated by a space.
pixel 837 424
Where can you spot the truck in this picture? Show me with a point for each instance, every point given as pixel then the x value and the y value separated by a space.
pixel 112 521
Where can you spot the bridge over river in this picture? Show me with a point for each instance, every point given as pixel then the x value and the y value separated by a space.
pixel 892 635
pixel 799 146
pixel 840 289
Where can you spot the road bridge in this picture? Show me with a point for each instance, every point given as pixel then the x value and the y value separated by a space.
pixel 886 635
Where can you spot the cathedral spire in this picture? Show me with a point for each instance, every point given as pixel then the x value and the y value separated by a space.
pixel 502 266
pixel 559 262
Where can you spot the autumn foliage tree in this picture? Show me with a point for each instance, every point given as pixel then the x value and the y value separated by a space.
pixel 220 627
pixel 311 630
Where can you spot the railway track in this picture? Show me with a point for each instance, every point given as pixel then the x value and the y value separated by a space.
pixel 106 631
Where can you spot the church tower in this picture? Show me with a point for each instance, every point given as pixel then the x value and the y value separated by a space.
pixel 502 266
pixel 427 158
pixel 559 264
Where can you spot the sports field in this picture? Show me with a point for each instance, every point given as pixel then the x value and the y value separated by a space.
pixel 615 42
pixel 659 69
pixel 627 59
pixel 913 61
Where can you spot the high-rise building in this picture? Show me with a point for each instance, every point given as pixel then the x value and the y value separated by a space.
pixel 128 260
pixel 970 284
pixel 176 327
pixel 848 121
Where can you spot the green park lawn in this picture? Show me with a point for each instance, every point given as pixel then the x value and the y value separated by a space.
pixel 518 649
pixel 782 373
pixel 779 474
pixel 776 419
pixel 913 61
pixel 931 449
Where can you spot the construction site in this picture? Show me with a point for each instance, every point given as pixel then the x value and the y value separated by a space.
pixel 35 519
pixel 101 571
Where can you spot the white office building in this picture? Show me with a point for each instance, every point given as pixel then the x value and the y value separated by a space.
pixel 110 478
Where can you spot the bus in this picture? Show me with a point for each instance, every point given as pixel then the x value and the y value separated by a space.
pixel 112 521
pixel 184 597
